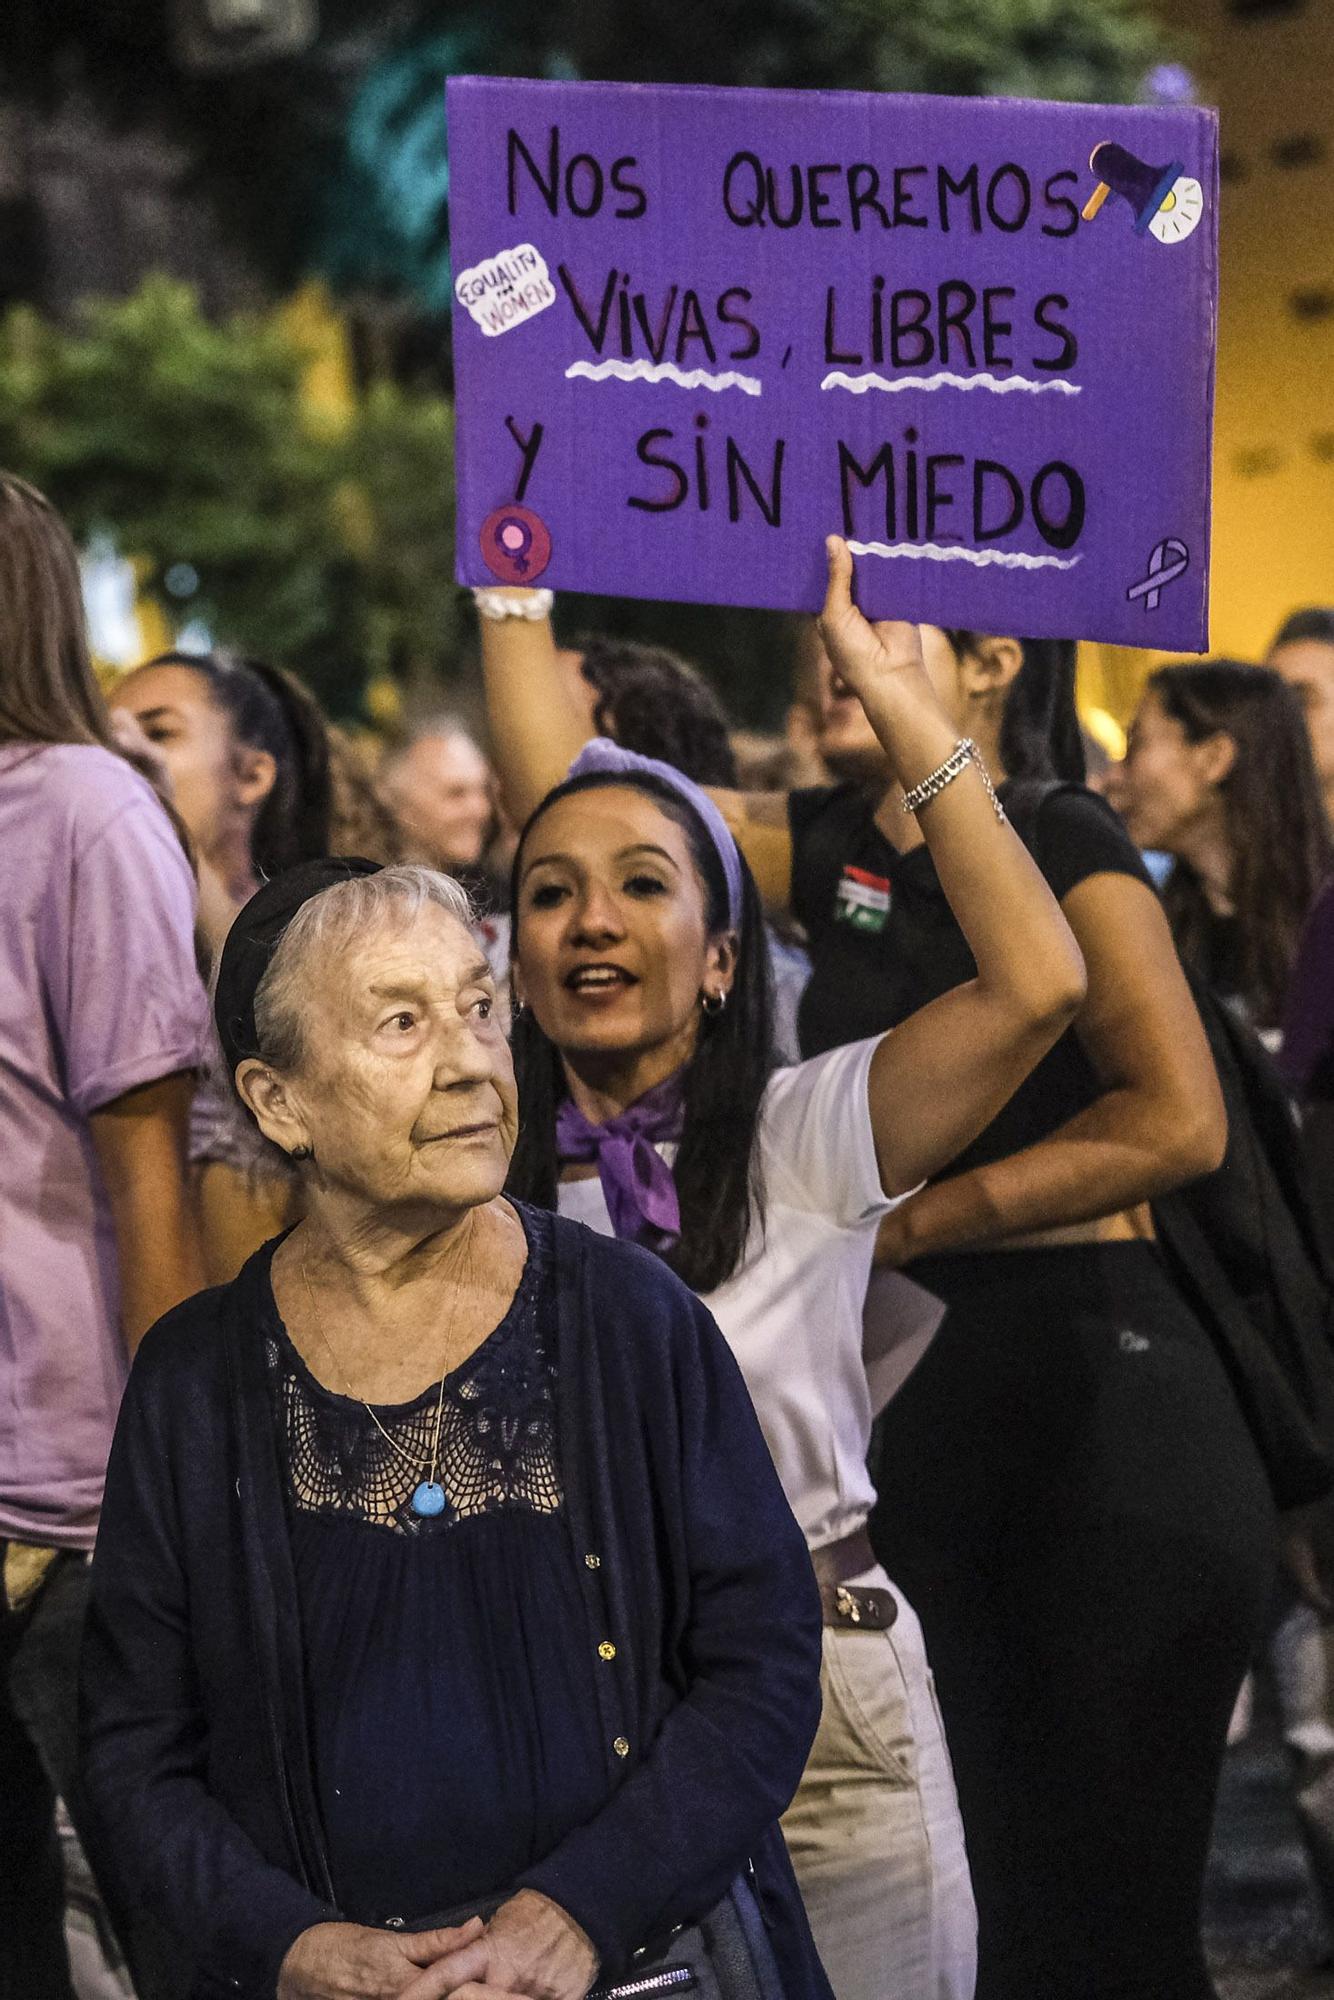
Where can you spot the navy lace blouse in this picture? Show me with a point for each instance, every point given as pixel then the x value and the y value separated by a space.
pixel 461 1635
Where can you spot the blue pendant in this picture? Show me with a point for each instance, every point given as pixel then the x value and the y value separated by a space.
pixel 429 1498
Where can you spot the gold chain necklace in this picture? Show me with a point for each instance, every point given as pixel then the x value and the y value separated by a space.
pixel 428 1496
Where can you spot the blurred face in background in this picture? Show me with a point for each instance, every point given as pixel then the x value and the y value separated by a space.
pixel 1307 665
pixel 217 783
pixel 440 791
pixel 847 742
pixel 1167 789
pixel 845 739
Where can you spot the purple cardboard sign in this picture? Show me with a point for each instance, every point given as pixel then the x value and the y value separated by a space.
pixel 696 330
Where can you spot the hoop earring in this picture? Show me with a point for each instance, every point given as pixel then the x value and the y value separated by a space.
pixel 713 1004
pixel 299 1153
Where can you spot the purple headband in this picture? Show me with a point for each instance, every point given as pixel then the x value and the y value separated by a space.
pixel 604 755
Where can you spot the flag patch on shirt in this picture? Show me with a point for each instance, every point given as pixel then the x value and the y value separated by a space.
pixel 863 900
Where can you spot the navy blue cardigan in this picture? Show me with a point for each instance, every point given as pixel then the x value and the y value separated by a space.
pixel 196 1751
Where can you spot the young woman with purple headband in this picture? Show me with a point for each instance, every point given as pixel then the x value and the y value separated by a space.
pixel 650 1109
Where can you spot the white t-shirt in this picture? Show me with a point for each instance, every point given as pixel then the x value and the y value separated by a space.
pixel 792 1311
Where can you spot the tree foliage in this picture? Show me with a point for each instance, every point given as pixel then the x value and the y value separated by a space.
pixel 336 155
pixel 192 446
pixel 1095 50
pixel 190 442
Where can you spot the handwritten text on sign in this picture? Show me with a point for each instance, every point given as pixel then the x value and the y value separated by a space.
pixel 696 330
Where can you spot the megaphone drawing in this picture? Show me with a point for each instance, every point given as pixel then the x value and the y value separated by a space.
pixel 1165 202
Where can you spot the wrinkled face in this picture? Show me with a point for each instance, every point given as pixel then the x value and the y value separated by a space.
pixel 847 741
pixel 406 1088
pixel 194 739
pixel 613 944
pixel 441 791
pixel 1163 787
pixel 1307 665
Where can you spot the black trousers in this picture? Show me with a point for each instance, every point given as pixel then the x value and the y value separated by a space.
pixel 39 1663
pixel 1069 1497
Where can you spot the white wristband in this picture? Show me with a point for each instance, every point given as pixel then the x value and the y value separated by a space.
pixel 493 604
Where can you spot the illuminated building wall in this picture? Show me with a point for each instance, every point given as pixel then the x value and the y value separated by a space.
pixel 1268 65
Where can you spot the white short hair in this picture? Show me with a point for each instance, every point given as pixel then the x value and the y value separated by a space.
pixel 323 927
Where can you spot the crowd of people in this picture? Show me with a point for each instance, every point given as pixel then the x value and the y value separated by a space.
pixel 621 1370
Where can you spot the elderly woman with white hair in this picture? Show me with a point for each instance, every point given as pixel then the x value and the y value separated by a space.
pixel 450 1633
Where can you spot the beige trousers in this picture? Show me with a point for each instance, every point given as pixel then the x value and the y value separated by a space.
pixel 874 1831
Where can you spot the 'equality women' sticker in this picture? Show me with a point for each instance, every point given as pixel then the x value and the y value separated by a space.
pixel 506 290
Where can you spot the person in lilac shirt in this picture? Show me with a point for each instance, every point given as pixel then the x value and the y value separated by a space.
pixel 102 1024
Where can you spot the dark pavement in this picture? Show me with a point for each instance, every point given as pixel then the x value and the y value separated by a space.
pixel 1263 1926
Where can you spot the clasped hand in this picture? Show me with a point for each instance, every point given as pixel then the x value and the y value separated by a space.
pixel 530 1950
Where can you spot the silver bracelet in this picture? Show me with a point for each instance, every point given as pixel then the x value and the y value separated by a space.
pixel 492 604
pixel 964 753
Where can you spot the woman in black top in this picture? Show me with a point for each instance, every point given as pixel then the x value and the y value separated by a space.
pixel 1067 1489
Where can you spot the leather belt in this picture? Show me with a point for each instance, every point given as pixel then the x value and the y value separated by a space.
pixel 860 1608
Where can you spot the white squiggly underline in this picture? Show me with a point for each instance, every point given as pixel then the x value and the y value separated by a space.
pixel 999 385
pixel 663 371
pixel 983 558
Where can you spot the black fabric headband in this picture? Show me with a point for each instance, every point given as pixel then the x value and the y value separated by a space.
pixel 253 939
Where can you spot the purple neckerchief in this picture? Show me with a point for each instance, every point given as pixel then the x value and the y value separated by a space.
pixel 604 755
pixel 636 1180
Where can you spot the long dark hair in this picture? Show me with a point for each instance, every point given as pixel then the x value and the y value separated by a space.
pixel 651 701
pixel 1274 817
pixel 269 709
pixel 1040 735
pixel 717 1171
pixel 48 690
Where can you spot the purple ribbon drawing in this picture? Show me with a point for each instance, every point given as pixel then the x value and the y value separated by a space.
pixel 1169 560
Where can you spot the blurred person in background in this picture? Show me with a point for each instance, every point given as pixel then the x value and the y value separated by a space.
pixel 103 1023
pixel 245 748
pixel 1219 774
pixel 764 763
pixel 439 787
pixel 1303 653
pixel 441 792
pixel 770 764
pixel 1220 777
pixel 652 701
pixel 360 822
pixel 1307 1053
pixel 803 723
